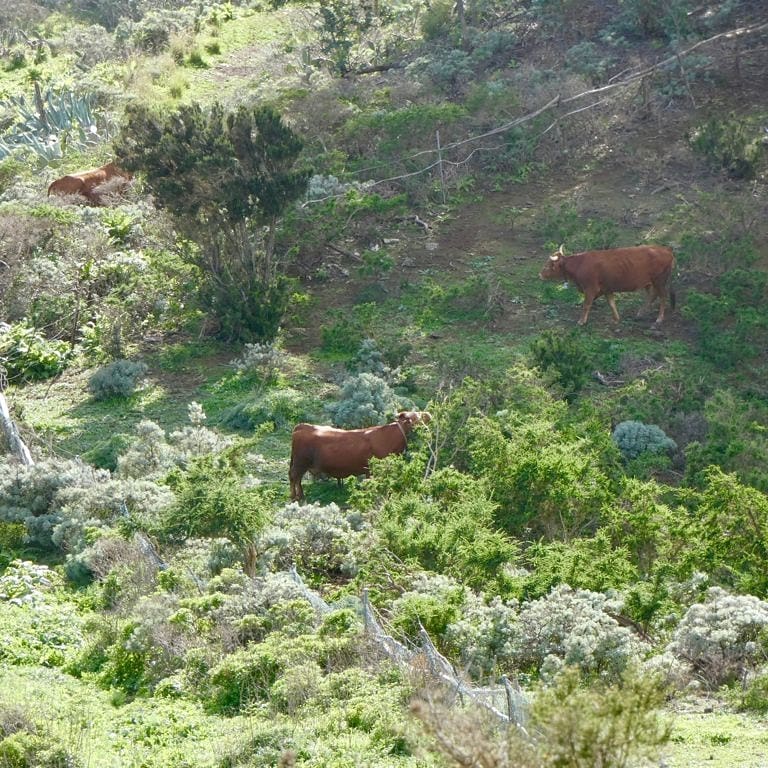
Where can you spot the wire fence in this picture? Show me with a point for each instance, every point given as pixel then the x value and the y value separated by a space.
pixel 507 701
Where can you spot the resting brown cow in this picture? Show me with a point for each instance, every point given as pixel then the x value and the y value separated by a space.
pixel 91 184
pixel 616 270
pixel 344 452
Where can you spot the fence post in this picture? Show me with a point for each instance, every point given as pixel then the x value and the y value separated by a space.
pixel 440 165
pixel 366 611
pixel 15 443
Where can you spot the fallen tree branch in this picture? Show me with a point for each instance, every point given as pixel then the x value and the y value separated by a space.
pixel 375 68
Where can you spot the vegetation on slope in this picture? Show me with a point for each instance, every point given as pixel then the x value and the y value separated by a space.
pixel 586 512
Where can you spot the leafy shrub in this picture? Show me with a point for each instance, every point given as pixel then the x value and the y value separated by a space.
pixel 152 33
pixel 735 440
pixel 754 698
pixel 365 400
pixel 24 749
pixel 586 59
pixel 727 533
pixel 248 675
pixel 32 495
pixel 566 224
pixel 118 379
pixel 262 361
pixel 434 602
pixel 619 724
pixel 229 236
pixel 450 70
pixel 65 505
pixel 546 480
pixel 319 540
pixel 28 356
pixel 38 625
pixel 731 326
pixel 432 521
pixel 562 355
pixel 733 144
pixel 436 21
pixel 282 407
pixel 212 499
pixel 344 335
pixel 573 721
pixel 594 564
pixel 723 636
pixel 633 438
pixel 573 628
pixel 483 635
pixel 152 452
pixel 134 655
pixel 90 45
pixel 370 359
pixel 149 455
pixel 104 454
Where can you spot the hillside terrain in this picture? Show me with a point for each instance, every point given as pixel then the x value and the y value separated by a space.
pixel 338 211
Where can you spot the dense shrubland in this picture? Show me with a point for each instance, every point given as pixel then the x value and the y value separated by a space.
pixel 586 512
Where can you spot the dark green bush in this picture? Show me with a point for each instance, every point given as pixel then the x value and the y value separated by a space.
pixel 566 224
pixel 563 356
pixel 590 563
pixel 754 698
pixel 282 407
pixel 444 524
pixel 729 332
pixel 735 144
pixel 545 482
pixel 247 676
pixel 735 440
pixel 344 335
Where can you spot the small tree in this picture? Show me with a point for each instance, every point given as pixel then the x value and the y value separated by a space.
pixel 212 500
pixel 225 179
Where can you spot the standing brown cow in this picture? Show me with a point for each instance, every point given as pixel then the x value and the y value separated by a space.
pixel 88 184
pixel 616 270
pixel 344 452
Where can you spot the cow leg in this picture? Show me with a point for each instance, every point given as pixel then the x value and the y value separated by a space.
pixel 612 301
pixel 650 296
pixel 297 492
pixel 662 307
pixel 588 299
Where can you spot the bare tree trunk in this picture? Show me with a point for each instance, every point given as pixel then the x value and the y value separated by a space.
pixel 462 17
pixel 250 559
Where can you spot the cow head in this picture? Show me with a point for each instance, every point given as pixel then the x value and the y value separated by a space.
pixel 409 419
pixel 553 269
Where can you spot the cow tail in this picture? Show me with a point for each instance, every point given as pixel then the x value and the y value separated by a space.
pixel 670 289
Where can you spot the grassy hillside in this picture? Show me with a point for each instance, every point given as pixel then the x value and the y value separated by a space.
pixel 586 512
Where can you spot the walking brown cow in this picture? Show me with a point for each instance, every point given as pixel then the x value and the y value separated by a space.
pixel 91 184
pixel 343 452
pixel 616 270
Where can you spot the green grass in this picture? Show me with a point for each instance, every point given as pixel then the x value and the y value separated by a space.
pixel 153 732
pixel 717 740
pixel 239 40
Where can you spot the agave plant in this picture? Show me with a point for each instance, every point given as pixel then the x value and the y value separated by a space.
pixel 52 123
